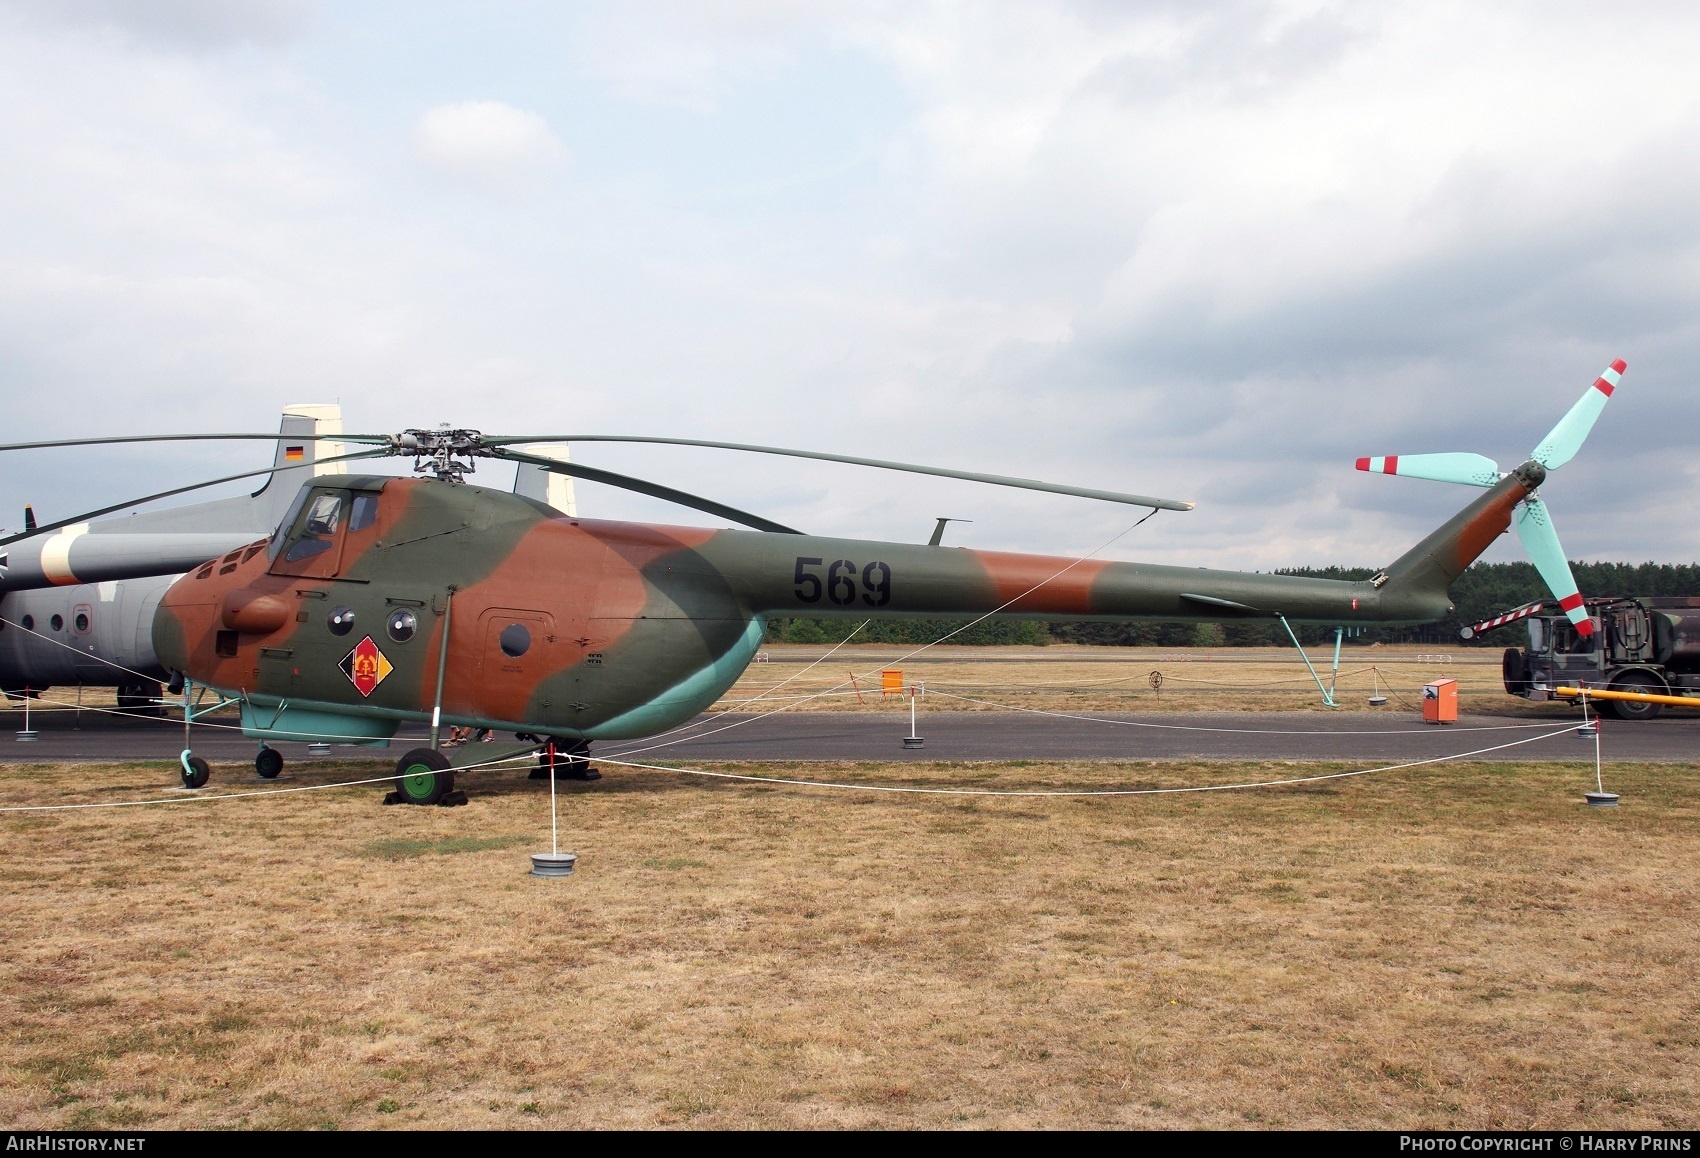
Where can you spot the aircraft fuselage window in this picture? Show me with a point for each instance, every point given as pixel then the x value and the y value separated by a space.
pixel 57 623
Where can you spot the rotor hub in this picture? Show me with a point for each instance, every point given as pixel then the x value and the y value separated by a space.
pixel 444 452
pixel 1531 474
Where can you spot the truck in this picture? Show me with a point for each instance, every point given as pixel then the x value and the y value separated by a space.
pixel 1648 644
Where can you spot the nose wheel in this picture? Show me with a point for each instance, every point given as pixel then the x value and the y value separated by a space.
pixel 194 770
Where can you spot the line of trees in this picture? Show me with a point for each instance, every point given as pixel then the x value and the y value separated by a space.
pixel 1485 590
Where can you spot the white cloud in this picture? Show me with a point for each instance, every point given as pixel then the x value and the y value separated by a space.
pixel 1209 250
pixel 487 141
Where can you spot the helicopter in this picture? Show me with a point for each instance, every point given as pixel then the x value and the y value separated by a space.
pixel 381 600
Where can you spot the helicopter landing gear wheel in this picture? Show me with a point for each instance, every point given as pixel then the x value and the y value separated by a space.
pixel 421 777
pixel 194 771
pixel 268 763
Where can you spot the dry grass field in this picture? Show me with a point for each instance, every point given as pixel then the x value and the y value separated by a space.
pixel 1454 946
pixel 1105 679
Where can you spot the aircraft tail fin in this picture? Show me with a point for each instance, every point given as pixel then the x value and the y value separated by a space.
pixel 297 461
pixel 534 482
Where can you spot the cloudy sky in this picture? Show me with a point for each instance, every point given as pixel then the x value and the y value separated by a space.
pixel 1211 251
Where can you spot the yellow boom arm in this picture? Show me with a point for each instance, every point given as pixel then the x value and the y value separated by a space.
pixel 1635 697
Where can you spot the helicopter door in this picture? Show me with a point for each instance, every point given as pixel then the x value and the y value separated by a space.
pixel 312 548
pixel 518 651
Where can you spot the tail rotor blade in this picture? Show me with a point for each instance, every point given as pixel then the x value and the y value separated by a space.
pixel 1561 445
pixel 1534 528
pixel 1473 470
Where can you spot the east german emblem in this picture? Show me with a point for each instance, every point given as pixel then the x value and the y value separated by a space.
pixel 366 666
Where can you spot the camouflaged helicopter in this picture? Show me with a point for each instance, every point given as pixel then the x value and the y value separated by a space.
pixel 381 600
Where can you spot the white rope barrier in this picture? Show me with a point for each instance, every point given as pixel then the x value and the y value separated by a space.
pixel 1083 792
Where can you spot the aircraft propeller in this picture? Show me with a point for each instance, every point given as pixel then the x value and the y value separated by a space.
pixel 1533 521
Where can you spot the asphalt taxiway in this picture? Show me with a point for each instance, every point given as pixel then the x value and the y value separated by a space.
pixel 1351 736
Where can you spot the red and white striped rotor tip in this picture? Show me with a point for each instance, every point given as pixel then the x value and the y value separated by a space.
pixel 1388 465
pixel 1572 607
pixel 1607 382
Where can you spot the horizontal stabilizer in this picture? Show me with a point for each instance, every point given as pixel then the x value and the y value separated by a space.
pixel 1469 469
pixel 1212 603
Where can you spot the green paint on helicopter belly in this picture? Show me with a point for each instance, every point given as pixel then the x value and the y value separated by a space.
pixel 688 697
pixel 285 721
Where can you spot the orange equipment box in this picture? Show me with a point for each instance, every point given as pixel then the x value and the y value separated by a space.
pixel 891 683
pixel 1440 702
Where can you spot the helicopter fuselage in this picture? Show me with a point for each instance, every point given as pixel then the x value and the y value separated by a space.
pixel 381 600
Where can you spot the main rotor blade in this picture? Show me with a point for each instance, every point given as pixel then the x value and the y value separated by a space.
pixel 653 490
pixel 877 463
pixel 1473 470
pixel 1540 540
pixel 274 437
pixel 87 515
pixel 1565 439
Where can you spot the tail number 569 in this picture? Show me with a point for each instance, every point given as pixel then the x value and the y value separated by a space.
pixel 839 584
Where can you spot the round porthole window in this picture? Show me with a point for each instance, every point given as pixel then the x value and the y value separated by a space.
pixel 403 623
pixel 515 640
pixel 28 622
pixel 81 621
pixel 341 620
pixel 57 622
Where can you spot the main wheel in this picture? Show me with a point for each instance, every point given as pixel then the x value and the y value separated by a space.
pixel 1635 681
pixel 268 763
pixel 1515 671
pixel 421 777
pixel 194 771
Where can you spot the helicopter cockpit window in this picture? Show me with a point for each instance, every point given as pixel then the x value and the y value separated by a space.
pixel 365 512
pixel 311 547
pixel 318 529
pixel 287 525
